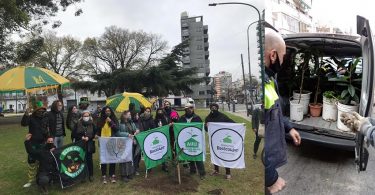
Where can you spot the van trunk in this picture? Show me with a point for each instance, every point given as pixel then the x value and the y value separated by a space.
pixel 332 51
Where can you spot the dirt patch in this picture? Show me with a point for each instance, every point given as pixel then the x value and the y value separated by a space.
pixel 167 184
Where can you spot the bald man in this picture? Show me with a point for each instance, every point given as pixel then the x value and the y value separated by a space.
pixel 276 124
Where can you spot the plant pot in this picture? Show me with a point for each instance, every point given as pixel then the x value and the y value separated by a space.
pixel 315 109
pixel 296 110
pixel 329 109
pixel 342 108
pixel 305 99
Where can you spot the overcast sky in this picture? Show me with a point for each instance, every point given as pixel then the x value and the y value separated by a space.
pixel 343 13
pixel 227 25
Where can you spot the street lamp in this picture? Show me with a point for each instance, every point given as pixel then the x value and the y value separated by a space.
pixel 248 56
pixel 259 36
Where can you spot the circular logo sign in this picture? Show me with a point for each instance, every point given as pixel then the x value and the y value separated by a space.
pixel 155 145
pixel 227 144
pixel 190 139
pixel 72 161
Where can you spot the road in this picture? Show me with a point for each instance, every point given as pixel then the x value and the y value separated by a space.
pixel 312 169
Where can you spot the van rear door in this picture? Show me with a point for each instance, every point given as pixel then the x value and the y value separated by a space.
pixel 368 71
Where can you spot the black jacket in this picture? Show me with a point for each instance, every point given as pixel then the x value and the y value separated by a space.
pixel 52 115
pixel 163 120
pixel 43 155
pixel 219 117
pixel 146 124
pixel 37 127
pixel 195 118
pixel 89 131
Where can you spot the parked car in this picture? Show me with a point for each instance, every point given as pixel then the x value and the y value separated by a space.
pixel 315 129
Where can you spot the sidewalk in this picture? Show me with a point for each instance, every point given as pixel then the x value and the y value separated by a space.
pixel 240 113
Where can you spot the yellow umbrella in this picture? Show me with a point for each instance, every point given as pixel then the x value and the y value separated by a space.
pixel 30 79
pixel 120 102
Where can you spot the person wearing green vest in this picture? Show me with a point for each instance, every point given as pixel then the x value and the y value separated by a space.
pixel 276 124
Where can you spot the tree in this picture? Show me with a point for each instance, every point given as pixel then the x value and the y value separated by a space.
pixel 60 55
pixel 166 78
pixel 120 48
pixel 27 15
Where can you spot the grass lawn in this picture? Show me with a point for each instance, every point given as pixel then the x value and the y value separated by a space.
pixel 13 174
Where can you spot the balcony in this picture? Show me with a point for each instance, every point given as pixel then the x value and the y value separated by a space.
pixel 206 53
pixel 185 33
pixel 206 44
pixel 205 29
pixel 186 52
pixel 186 60
pixel 184 25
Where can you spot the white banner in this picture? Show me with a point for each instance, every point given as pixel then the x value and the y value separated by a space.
pixel 115 150
pixel 227 144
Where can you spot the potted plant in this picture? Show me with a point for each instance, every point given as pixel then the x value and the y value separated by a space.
pixel 329 106
pixel 315 107
pixel 303 96
pixel 349 99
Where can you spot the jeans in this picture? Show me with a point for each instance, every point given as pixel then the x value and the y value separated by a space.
pixel 112 169
pixel 227 170
pixel 194 165
pixel 58 141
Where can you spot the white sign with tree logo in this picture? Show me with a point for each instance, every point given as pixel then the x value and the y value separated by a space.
pixel 115 149
pixel 227 144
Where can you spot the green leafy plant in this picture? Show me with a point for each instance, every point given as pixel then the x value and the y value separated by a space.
pixel 348 81
pixel 330 95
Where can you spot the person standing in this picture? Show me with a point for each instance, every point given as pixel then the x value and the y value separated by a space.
pixel 216 116
pixel 96 114
pixel 37 123
pixel 128 129
pixel 191 117
pixel 56 123
pixel 107 127
pixel 161 120
pixel 146 122
pixel 72 121
pixel 276 125
pixel 86 130
pixel 257 122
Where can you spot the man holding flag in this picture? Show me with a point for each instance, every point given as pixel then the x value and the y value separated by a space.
pixel 189 117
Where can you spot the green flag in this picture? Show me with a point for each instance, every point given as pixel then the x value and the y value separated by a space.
pixel 190 138
pixel 155 145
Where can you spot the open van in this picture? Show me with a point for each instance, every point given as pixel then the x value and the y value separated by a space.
pixel 337 55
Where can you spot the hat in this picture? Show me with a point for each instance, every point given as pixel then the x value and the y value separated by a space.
pixel 84 100
pixel 189 105
pixel 39 105
pixel 214 104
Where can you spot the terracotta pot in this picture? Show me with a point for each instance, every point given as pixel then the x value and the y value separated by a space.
pixel 315 109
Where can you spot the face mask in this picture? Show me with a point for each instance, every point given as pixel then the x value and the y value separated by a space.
pixel 108 114
pixel 86 118
pixel 49 146
pixel 147 115
pixel 214 112
pixel 276 67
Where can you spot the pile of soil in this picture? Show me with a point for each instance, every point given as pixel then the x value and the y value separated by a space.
pixel 166 184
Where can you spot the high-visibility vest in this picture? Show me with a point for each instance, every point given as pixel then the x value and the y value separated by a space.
pixel 270 95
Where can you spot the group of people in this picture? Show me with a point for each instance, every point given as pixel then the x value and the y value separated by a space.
pixel 47 132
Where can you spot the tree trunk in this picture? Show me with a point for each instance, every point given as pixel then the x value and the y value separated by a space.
pixel 60 96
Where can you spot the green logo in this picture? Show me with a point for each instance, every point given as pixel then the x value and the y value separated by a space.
pixel 191 144
pixel 72 161
pixel 227 139
pixel 156 141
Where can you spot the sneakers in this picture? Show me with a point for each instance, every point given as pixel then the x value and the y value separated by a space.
pixel 228 177
pixel 27 185
pixel 104 178
pixel 113 179
pixel 137 173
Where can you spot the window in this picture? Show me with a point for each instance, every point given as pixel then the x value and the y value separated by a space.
pixel 200 38
pixel 201 92
pixel 19 107
pixel 291 23
pixel 200 74
pixel 199 29
pixel 199 47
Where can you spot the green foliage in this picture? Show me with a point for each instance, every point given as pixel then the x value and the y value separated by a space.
pixel 330 94
pixel 348 82
pixel 161 80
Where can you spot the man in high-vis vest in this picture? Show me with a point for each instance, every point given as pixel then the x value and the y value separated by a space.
pixel 276 124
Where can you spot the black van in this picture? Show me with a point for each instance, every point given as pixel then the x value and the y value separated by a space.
pixel 330 51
